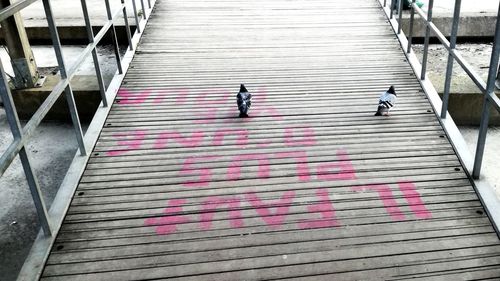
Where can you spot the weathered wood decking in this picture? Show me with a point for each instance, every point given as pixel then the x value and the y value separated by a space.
pixel 312 186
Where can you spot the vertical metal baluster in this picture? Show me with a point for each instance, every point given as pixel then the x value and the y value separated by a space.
pixel 449 67
pixel 114 38
pixel 497 82
pixel 136 17
pixel 427 38
pixel 90 35
pixel 412 22
pixel 490 89
pixel 62 69
pixel 385 3
pixel 143 9
pixel 149 4
pixel 392 9
pixel 127 27
pixel 15 127
pixel 400 11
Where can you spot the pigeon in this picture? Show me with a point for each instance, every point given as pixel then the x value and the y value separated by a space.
pixel 386 102
pixel 244 100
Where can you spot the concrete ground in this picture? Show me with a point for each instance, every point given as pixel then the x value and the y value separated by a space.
pixel 491 160
pixel 51 152
pixel 445 7
pixel 69 13
pixel 46 59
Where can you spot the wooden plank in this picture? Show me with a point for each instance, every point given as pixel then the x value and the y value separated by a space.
pixel 369 199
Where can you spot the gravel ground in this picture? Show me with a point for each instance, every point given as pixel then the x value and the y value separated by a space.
pixel 477 55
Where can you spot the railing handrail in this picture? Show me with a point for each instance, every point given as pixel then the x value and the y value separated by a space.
pixel 486 193
pixel 487 88
pixel 50 220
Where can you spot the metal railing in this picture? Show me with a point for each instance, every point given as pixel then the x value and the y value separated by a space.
pixel 471 163
pixel 487 88
pixel 23 134
pixel 50 219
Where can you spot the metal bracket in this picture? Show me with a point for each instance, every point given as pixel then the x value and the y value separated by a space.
pixel 41 80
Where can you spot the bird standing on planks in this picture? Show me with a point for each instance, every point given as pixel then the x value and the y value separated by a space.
pixel 244 101
pixel 386 102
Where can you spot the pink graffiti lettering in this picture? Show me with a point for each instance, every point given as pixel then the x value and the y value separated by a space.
pixel 413 198
pixel 194 140
pixel 325 208
pixel 308 137
pixel 204 174
pixel 208 117
pixel 302 163
pixel 340 170
pixel 127 97
pixel 273 219
pixel 241 140
pixel 204 99
pixel 385 194
pixel 180 94
pixel 131 144
pixel 234 171
pixel 168 223
pixel 211 204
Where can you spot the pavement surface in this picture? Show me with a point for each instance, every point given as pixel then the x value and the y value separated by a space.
pixel 51 151
pixel 69 13
pixel 46 59
pixel 491 159
pixel 445 7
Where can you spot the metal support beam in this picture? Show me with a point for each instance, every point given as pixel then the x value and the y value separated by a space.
pixel 62 69
pixel 127 26
pixel 426 40
pixel 23 62
pixel 490 91
pixel 497 81
pixel 412 19
pixel 15 126
pixel 449 67
pixel 90 35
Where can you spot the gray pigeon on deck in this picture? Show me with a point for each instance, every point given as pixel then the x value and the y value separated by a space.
pixel 386 102
pixel 244 101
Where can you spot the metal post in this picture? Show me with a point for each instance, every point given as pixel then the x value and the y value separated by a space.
pixel 16 130
pixel 449 67
pixel 134 8
pixel 490 89
pixel 427 38
pixel 127 27
pixel 23 62
pixel 62 69
pixel 412 21
pixel 149 4
pixel 90 35
pixel 497 82
pixel 114 38
pixel 392 9
pixel 385 3
pixel 400 14
pixel 143 9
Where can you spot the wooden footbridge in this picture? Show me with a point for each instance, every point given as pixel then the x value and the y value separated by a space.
pixel 311 187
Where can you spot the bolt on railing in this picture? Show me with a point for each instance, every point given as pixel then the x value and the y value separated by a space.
pixel 487 88
pixel 23 134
